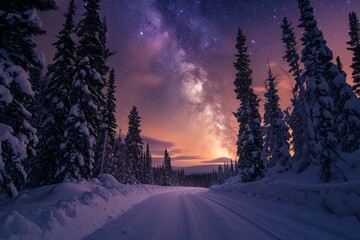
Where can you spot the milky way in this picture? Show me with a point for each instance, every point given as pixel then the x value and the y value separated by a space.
pixel 174 61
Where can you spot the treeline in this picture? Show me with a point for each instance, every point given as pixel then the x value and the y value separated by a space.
pixel 325 113
pixel 227 171
pixel 129 164
pixel 178 178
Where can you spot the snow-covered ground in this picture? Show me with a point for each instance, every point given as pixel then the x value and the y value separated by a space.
pixel 338 197
pixel 280 206
pixel 197 214
pixel 70 210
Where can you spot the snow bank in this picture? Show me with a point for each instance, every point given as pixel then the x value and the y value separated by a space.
pixel 339 198
pixel 70 210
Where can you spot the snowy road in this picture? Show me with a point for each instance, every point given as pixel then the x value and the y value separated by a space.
pixel 199 214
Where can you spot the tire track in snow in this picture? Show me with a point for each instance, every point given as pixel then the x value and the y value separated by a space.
pixel 221 227
pixel 297 229
pixel 249 220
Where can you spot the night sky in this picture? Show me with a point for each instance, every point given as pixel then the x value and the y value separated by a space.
pixel 174 61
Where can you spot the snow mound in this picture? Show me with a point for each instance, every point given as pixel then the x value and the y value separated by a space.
pixel 70 210
pixel 341 198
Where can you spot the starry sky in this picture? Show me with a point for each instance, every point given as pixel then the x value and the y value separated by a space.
pixel 174 61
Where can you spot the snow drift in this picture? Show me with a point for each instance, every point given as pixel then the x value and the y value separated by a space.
pixel 70 210
pixel 341 198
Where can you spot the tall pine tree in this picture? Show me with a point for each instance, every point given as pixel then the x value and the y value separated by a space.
pixel 249 143
pixel 20 68
pixel 299 120
pixel 92 56
pixel 88 101
pixel 334 105
pixel 276 133
pixel 49 163
pixel 291 55
pixel 354 46
pixel 321 89
pixel 133 144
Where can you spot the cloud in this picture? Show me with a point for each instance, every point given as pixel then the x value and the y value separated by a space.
pixel 176 151
pixel 218 160
pixel 186 157
pixel 259 90
pixel 157 144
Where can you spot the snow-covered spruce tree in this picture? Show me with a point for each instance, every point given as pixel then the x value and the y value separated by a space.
pixel 167 173
pixel 86 113
pixel 133 144
pixel 291 55
pixel 18 64
pixel 276 133
pixel 316 56
pixel 80 134
pixel 249 143
pixel 109 122
pixel 354 46
pixel 299 120
pixel 21 25
pixel 148 165
pixel 319 76
pixel 48 165
pixel 25 24
pixel 345 110
pixel 92 34
pixel 16 134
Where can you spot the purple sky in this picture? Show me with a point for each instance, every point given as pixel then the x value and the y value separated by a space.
pixel 174 61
